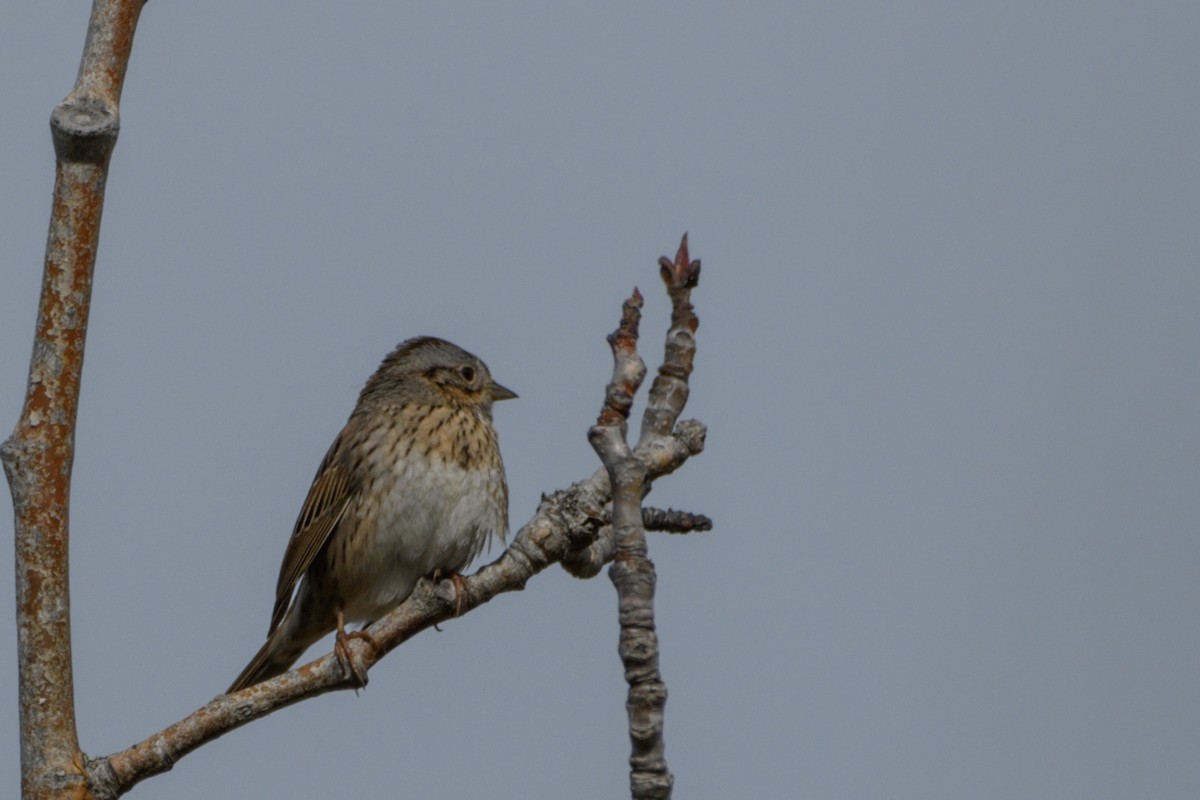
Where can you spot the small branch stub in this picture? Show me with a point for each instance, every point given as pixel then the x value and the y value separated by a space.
pixel 84 131
pixel 672 521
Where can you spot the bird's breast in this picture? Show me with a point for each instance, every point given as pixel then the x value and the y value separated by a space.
pixel 421 513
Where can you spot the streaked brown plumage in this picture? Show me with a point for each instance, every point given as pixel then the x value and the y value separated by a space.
pixel 413 485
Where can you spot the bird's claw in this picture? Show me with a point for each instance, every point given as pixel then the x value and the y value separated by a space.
pixel 341 649
pixel 460 590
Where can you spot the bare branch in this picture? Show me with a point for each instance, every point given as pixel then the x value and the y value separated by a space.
pixel 632 572
pixel 668 395
pixel 39 454
pixel 566 522
pixel 568 527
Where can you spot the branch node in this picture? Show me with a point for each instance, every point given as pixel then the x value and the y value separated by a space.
pixel 84 130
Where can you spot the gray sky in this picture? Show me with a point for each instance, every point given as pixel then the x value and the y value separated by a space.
pixel 948 360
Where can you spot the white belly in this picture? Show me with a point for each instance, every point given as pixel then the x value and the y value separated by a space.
pixel 433 517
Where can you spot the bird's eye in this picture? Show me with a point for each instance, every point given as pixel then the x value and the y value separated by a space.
pixel 467 372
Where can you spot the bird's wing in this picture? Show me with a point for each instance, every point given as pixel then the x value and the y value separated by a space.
pixel 327 500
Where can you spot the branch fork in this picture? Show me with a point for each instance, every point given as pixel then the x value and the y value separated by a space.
pixel 632 572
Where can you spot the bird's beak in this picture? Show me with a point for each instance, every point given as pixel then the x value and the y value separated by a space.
pixel 498 392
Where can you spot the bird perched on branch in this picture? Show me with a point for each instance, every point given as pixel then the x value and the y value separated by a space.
pixel 412 486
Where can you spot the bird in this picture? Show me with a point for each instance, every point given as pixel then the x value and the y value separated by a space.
pixel 412 486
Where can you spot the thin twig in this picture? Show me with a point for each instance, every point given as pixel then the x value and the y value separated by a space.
pixel 669 392
pixel 672 521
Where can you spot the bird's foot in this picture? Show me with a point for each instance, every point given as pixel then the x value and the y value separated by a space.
pixel 460 589
pixel 341 649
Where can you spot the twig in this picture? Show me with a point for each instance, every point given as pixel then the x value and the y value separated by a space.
pixel 672 521
pixel 669 392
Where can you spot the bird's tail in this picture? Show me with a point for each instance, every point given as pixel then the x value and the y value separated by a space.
pixel 275 657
